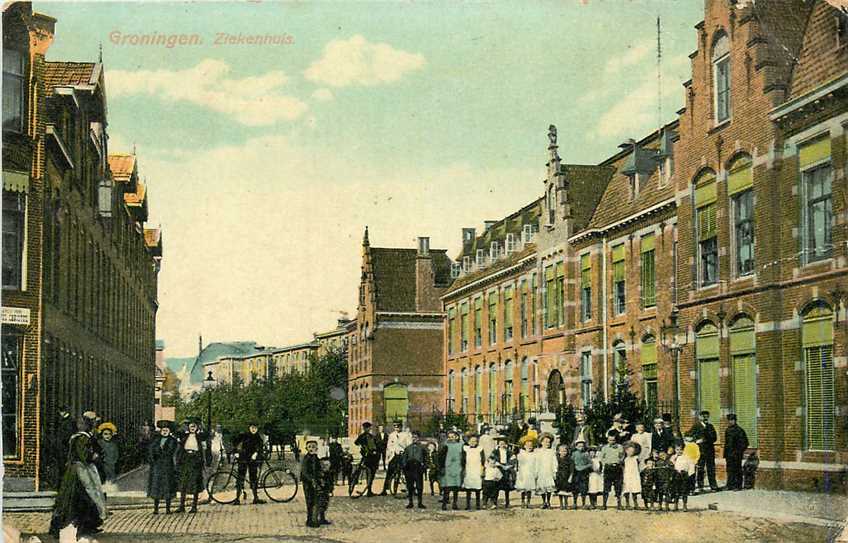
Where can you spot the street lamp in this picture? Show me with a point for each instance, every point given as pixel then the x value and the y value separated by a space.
pixel 670 344
pixel 208 384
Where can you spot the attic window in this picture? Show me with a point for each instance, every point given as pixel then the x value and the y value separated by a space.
pixel 841 21
pixel 635 181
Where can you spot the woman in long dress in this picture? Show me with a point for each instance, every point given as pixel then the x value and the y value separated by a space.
pixel 472 480
pixel 451 464
pixel 632 480
pixel 190 464
pixel 162 480
pixel 80 501
pixel 527 472
pixel 546 461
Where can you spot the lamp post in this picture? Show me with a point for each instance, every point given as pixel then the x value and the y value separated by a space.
pixel 670 344
pixel 208 384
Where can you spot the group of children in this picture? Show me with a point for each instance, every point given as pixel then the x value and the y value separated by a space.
pixel 541 468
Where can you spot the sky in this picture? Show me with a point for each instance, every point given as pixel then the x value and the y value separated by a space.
pixel 266 161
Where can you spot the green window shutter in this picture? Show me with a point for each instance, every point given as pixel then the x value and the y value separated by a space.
pixel 820 423
pixel 648 277
pixel 745 394
pixel 618 253
pixel 741 177
pixel 549 273
pixel 705 191
pixel 586 271
pixel 708 386
pixel 649 352
pixel 508 307
pixel 817 330
pixel 707 342
pixel 742 336
pixel 478 303
pixel 464 308
pixel 618 271
pixel 707 224
pixel 560 269
pixel 815 151
pixel 647 243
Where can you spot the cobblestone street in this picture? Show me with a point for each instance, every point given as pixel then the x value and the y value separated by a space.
pixel 386 519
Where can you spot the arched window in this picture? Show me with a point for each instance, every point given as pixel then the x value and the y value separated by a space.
pixel 507 403
pixel 721 78
pixel 743 353
pixel 707 353
pixel 619 361
pixel 648 356
pixel 463 389
pixel 556 391
pixel 478 390
pixel 817 343
pixel 740 183
pixel 493 388
pixel 525 385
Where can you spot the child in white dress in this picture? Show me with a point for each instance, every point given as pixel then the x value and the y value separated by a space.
pixel 632 484
pixel 472 481
pixel 525 479
pixel 596 479
pixel 546 470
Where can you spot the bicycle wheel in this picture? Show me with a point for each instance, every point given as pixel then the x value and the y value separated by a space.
pixel 280 485
pixel 358 484
pixel 222 487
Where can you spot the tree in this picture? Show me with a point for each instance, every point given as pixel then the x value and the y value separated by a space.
pixel 170 388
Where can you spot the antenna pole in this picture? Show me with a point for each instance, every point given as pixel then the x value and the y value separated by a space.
pixel 659 75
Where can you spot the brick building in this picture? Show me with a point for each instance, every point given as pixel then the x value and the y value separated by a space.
pixel 75 255
pixel 703 266
pixel 395 367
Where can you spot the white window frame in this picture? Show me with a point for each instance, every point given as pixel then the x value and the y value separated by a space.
pixel 721 55
pixel 734 207
pixel 807 252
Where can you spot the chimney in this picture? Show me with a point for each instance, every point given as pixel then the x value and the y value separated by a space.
pixel 468 236
pixel 41 31
pixel 489 224
pixel 423 247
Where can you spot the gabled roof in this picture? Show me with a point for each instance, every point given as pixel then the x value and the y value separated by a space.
pixel 817 64
pixel 152 237
pixel 138 197
pixel 69 74
pixel 394 276
pixel 511 224
pixel 122 167
pixel 500 264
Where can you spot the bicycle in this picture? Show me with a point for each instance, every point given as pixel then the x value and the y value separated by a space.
pixel 279 484
pixel 357 485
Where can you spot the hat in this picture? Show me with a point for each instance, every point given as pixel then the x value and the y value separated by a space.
pixel 366 425
pixel 165 424
pixel 89 415
pixel 107 426
pixel 705 412
pixel 731 416
pixel 499 437
pixel 666 417
pixel 546 435
pixel 524 439
pixel 193 420
pixel 583 441
pixel 618 417
pixel 453 431
pixel 658 420
pixel 612 433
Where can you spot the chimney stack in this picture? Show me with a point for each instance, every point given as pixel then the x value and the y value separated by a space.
pixel 489 224
pixel 423 246
pixel 41 30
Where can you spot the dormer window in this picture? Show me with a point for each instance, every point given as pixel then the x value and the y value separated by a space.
pixel 494 251
pixel 635 181
pixel 842 28
pixel 721 78
pixel 481 258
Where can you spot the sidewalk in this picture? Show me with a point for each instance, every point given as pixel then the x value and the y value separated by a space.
pixel 805 507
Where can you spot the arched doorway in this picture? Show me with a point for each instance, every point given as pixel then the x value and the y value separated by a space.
pixel 556 391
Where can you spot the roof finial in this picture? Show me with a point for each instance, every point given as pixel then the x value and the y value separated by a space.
pixel 365 241
pixel 133 149
pixel 101 52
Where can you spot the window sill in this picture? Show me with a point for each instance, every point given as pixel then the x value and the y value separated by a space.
pixel 818 263
pixel 708 288
pixel 744 278
pixel 720 126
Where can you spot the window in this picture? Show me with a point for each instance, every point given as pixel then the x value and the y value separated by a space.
pixel 707 353
pixel 550 297
pixel 478 390
pixel 721 78
pixel 619 362
pixel 463 389
pixel 478 322
pixel 586 378
pixel 14 215
pixel 525 385
pixel 463 326
pixel 11 394
pixel 508 310
pixel 618 280
pixel 533 304
pixel 649 371
pixel 841 23
pixel 706 229
pixel 740 190
pixel 493 318
pixel 817 340
pixel 744 368
pixel 816 178
pixel 647 271
pixel 13 90
pixel 451 390
pixel 551 206
pixel 585 287
pixel 523 309
pixel 560 293
pixel 493 387
pixel 451 328
pixel 507 404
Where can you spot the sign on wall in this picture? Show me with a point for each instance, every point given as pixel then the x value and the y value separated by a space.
pixel 15 315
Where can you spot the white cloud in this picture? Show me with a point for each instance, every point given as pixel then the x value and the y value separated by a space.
pixel 634 55
pixel 356 61
pixel 253 252
pixel 253 101
pixel 323 95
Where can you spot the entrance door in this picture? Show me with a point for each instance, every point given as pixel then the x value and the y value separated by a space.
pixel 396 402
pixel 556 391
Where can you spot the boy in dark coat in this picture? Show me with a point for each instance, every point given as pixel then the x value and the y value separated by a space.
pixel 162 480
pixel 311 477
pixel 250 450
pixel 413 461
pixel 325 490
pixel 735 444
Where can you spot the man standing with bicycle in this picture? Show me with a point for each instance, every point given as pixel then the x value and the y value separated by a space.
pixel 249 449
pixel 396 443
pixel 370 452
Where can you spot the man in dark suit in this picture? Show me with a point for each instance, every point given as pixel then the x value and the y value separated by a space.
pixel 582 431
pixel 66 426
pixel 382 443
pixel 661 437
pixel 370 452
pixel 704 434
pixel 735 444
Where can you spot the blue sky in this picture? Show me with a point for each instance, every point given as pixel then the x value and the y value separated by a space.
pixel 265 162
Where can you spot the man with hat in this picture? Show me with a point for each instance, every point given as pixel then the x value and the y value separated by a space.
pixel 413 461
pixel 370 451
pixel 66 426
pixel 619 425
pixel 582 431
pixel 162 478
pixel 735 444
pixel 704 435
pixel 190 464
pixel 661 437
pixel 396 442
pixel 250 452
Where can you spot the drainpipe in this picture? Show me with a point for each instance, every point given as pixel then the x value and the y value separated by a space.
pixel 604 314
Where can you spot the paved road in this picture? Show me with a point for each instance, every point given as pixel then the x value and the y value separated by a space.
pixel 385 519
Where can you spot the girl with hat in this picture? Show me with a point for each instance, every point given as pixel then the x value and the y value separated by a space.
pixel 505 461
pixel 546 466
pixel 527 472
pixel 631 479
pixel 110 452
pixel 162 479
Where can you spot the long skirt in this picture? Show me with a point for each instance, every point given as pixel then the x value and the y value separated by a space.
pixel 191 473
